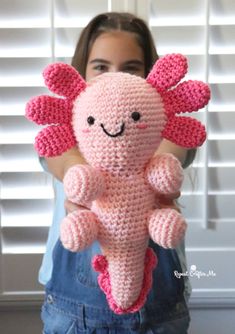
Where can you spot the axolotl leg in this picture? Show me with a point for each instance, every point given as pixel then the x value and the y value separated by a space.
pixel 167 227
pixel 79 229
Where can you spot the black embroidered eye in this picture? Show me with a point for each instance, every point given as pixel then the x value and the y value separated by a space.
pixel 136 116
pixel 90 120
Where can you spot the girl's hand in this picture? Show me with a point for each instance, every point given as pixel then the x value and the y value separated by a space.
pixel 70 206
pixel 169 201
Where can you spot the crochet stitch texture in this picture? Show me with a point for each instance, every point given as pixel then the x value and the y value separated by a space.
pixel 118 121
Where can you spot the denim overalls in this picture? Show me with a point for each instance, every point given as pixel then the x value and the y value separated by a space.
pixel 74 303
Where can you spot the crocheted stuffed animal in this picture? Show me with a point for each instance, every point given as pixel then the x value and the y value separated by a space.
pixel 118 121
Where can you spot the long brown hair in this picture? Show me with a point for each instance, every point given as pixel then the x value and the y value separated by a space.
pixel 114 21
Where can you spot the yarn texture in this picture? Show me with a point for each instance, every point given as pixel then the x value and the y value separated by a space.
pixel 118 121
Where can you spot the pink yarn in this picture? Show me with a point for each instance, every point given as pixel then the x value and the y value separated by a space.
pixel 64 80
pixel 57 110
pixel 195 94
pixel 80 228
pixel 160 168
pixel 48 142
pixel 100 264
pixel 185 131
pixel 118 121
pixel 167 72
pixel 83 183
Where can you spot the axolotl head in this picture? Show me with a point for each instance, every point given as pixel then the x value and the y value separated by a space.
pixel 118 121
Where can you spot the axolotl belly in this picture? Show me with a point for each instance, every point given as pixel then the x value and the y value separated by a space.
pixel 123 213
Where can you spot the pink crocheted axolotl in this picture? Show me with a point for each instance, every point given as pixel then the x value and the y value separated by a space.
pixel 118 121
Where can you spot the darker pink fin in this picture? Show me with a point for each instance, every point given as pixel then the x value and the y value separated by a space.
pixel 167 72
pixel 100 264
pixel 49 110
pixel 64 80
pixel 188 96
pixel 185 131
pixel 54 140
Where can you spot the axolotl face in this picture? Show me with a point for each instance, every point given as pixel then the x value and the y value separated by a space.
pixel 118 122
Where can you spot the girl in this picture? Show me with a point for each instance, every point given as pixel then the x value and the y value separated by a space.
pixel 74 302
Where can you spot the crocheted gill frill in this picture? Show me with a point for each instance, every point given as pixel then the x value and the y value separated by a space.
pixel 118 121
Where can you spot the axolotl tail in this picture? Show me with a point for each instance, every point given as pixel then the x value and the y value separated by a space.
pixel 125 292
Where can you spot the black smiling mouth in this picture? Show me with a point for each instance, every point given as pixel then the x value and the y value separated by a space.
pixel 115 134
